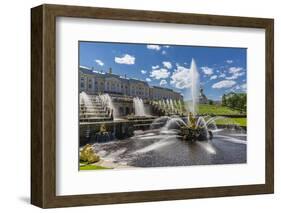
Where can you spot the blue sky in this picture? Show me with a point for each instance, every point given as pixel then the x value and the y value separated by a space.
pixel 221 69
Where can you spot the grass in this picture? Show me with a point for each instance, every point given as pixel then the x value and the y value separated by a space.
pixel 216 110
pixel 239 121
pixel 92 167
pixel 222 110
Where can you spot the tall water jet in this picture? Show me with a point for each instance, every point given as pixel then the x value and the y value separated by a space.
pixel 139 107
pixel 180 106
pixel 194 86
pixel 171 105
pixel 163 103
pixel 85 99
pixel 107 101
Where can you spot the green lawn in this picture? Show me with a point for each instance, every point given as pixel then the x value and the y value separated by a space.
pixel 221 110
pixel 239 121
pixel 92 167
pixel 216 110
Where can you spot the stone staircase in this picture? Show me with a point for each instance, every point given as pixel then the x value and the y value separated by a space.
pixel 93 110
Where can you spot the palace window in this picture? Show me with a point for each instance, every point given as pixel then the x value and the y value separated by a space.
pixel 89 83
pixel 82 83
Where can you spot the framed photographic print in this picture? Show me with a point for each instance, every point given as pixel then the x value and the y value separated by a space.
pixel 137 106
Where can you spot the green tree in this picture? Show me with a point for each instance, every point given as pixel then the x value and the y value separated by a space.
pixel 237 101
pixel 223 101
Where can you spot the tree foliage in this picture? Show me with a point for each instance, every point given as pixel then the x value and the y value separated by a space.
pixel 237 101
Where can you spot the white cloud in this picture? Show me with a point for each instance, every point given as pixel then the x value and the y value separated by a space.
pixel 167 64
pixel 224 84
pixel 244 87
pixel 229 61
pixel 235 69
pixel 143 71
pixel 235 76
pixel 153 47
pixel 155 67
pixel 99 62
pixel 181 78
pixel 164 52
pixel 213 77
pixel 236 72
pixel 207 70
pixel 163 82
pixel 222 75
pixel 126 59
pixel 148 79
pixel 237 87
pixel 166 46
pixel 160 73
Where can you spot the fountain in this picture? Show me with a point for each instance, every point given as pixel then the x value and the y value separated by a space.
pixel 107 102
pixel 85 101
pixel 194 86
pixel 167 137
pixel 171 117
pixel 139 107
pixel 191 127
pixel 103 135
pixel 177 136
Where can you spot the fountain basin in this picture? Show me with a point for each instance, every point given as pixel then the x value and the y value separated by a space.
pixel 200 134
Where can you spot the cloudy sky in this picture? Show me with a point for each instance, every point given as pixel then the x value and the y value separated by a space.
pixel 221 70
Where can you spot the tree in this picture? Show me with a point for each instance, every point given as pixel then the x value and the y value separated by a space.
pixel 237 101
pixel 223 101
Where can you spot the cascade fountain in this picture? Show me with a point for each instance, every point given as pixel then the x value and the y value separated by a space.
pixel 139 107
pixel 107 101
pixel 186 124
pixel 162 144
pixel 85 100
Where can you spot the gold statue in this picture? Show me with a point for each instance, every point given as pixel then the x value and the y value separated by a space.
pixel 102 128
pixel 192 120
pixel 87 154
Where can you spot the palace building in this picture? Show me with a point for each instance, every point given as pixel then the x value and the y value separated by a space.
pixel 96 82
